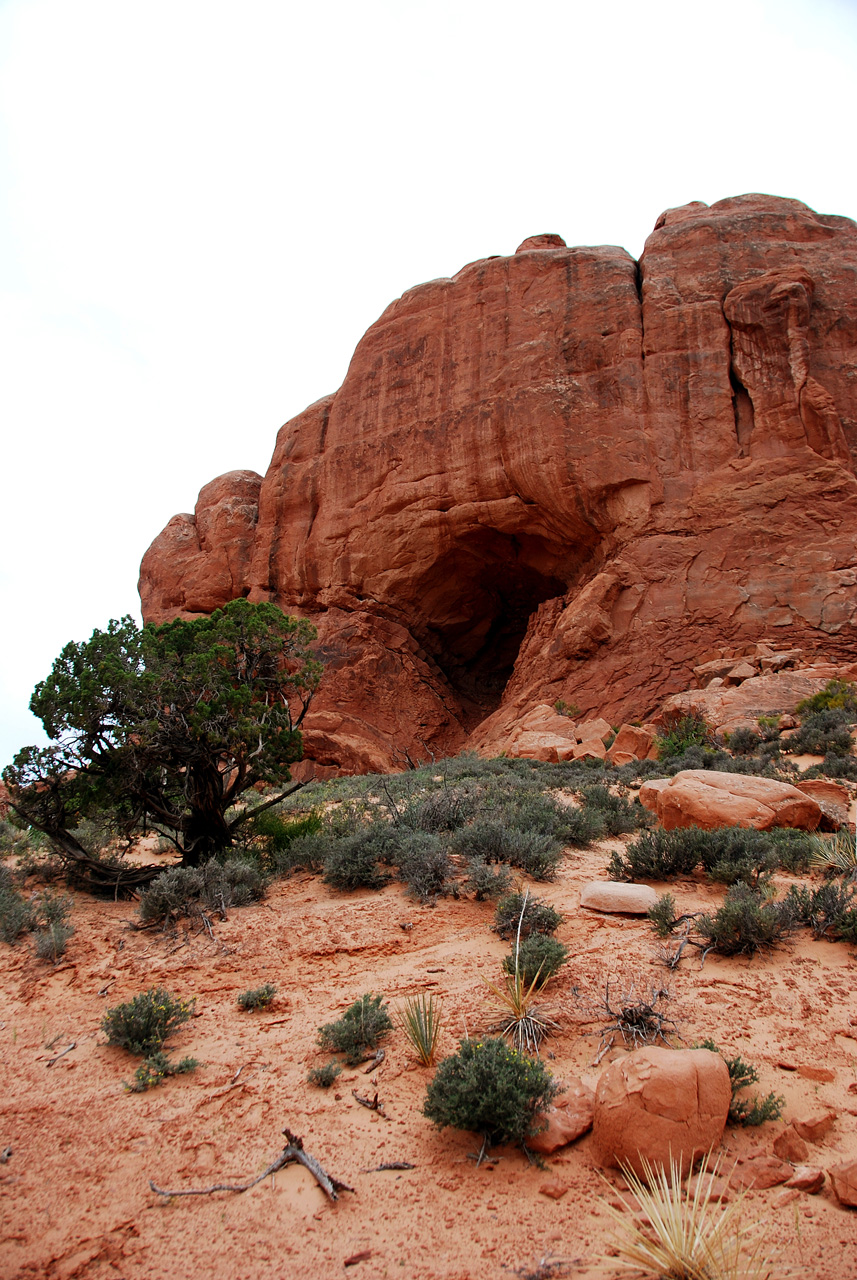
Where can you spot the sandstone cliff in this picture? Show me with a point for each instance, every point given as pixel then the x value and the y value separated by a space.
pixel 561 474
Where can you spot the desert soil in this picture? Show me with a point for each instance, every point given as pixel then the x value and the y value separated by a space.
pixel 75 1190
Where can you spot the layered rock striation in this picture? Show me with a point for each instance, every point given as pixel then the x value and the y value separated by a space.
pixel 560 474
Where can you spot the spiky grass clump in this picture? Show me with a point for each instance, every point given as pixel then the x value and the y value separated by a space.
pixel 689 1236
pixel 522 1021
pixel 421 1019
pixel 837 856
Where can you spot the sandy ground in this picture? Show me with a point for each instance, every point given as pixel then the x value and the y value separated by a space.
pixel 74 1194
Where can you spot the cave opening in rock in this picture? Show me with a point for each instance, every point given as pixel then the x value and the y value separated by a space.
pixel 477 601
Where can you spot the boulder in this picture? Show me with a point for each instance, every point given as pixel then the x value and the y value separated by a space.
pixel 632 741
pixel 590 730
pixel 832 798
pixel 661 1104
pixel 843 1179
pixel 568 1118
pixel 551 475
pixel 788 1145
pixel 613 896
pixel 589 748
pixel 709 798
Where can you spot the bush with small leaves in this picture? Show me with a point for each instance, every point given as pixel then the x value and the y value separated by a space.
pixel 257 997
pixel 269 836
pixel 729 854
pixel 359 1029
pixel 491 840
pixel 834 767
pixel 490 1089
pixel 153 1070
pixel 324 1077
pixel 614 811
pixel 425 865
pixel 445 809
pixel 539 954
pixel 794 850
pixel 746 1111
pixel 663 915
pixel 304 853
pixel 682 733
pixel 659 855
pixel 354 861
pixel 215 886
pixel 830 910
pixel 837 695
pixel 539 917
pixel 142 1025
pixel 51 942
pixel 823 733
pixel 745 923
pixel 744 742
pixel 16 913
pixel 486 881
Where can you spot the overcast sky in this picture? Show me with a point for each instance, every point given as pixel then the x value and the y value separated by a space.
pixel 204 204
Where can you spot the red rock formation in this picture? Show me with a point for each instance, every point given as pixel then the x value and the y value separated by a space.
pixel 559 475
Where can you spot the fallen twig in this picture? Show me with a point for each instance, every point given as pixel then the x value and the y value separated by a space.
pixel 377 1059
pixel 373 1105
pixel 57 1056
pixel 276 1022
pixel 290 1154
pixel 103 990
pixel 391 1164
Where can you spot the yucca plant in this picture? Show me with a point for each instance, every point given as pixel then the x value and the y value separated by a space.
pixel 420 1019
pixel 838 855
pixel 688 1236
pixel 524 1022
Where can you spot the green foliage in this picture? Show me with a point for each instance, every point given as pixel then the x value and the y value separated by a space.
pixel 794 850
pixel 538 917
pixel 359 1029
pixel 492 840
pixel 352 862
pixel 659 855
pixel 169 725
pixel 830 910
pixel 538 958
pixel 257 997
pixel 16 914
pixel 421 1019
pixel 834 767
pixel 215 886
pixel 614 811
pixel 45 915
pixel 271 835
pixel 728 854
pixel 823 733
pixel 748 1112
pixel 153 1070
pixel 745 923
pixel 837 695
pixel 744 742
pixel 663 915
pixel 682 733
pixel 445 809
pixel 425 865
pixel 143 1025
pixel 563 708
pixel 487 881
pixel 324 1077
pixel 490 1089
pixel 51 942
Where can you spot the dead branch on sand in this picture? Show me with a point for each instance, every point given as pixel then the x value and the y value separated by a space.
pixel 293 1153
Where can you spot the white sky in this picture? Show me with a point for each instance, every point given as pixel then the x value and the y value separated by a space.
pixel 204 204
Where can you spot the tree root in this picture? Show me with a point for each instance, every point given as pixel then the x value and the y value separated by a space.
pixel 293 1153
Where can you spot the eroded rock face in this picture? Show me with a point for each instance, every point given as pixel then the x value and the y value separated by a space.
pixel 559 475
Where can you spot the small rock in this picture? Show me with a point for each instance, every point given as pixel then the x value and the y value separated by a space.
pixel 759 1173
pixel 814 1125
pixel 569 1118
pixel 844 1180
pixel 614 896
pixel 788 1146
pixel 785 1197
pixel 823 1074
pixel 556 1190
pixel 808 1178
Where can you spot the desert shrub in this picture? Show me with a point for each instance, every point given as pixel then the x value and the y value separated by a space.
pixel 425 865
pixel 794 850
pixel 353 861
pixel 539 917
pixel 16 913
pixel 268 837
pixel 830 910
pixel 153 1070
pixel 24 842
pixel 837 695
pixel 486 881
pixel 143 1025
pixel 445 809
pixel 51 941
pixel 257 997
pixel 744 742
pixel 822 733
pixel 491 840
pixel 490 1089
pixel 359 1029
pixel 745 923
pixel 96 833
pixel 746 1111
pixel 324 1077
pixel 215 886
pixel 659 855
pixel 304 853
pixel 682 733
pixel 540 955
pixel 45 915
pixel 663 916
pixel 834 767
pixel 616 814
pixel 729 854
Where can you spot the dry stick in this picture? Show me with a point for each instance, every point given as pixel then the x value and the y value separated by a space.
pixel 391 1164
pixel 51 1061
pixel 294 1152
pixel 377 1059
pixel 374 1105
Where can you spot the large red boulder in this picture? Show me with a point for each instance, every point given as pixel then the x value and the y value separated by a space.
pixel 709 799
pixel 661 1105
pixel 561 474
